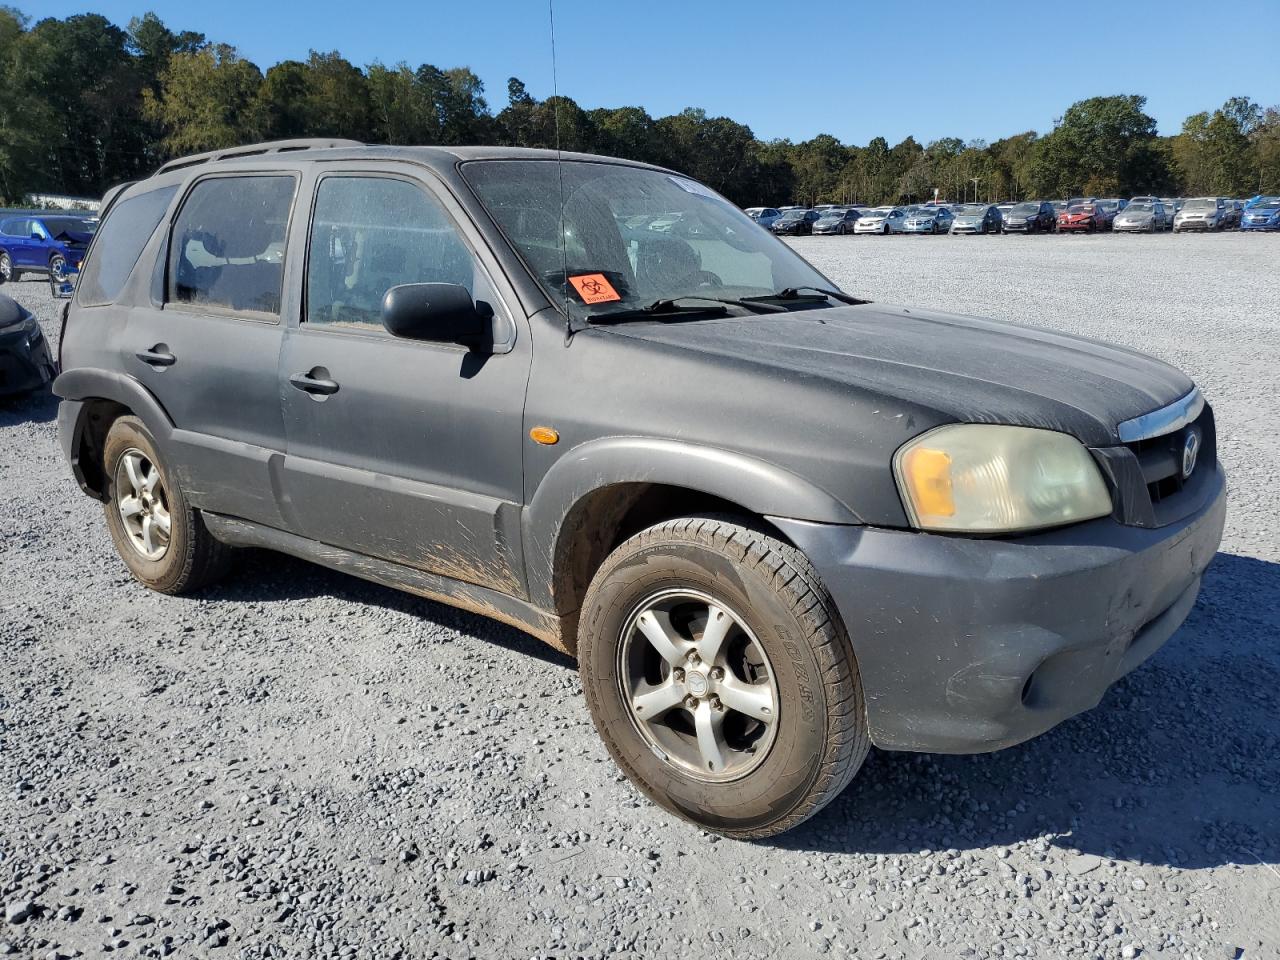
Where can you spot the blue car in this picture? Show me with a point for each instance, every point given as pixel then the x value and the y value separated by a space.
pixel 1262 216
pixel 51 244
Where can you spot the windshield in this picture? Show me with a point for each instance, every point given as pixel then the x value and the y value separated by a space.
pixel 1200 204
pixel 1027 208
pixel 1267 205
pixel 60 225
pixel 972 210
pixel 1139 208
pixel 832 214
pixel 618 255
pixel 794 214
pixel 1080 208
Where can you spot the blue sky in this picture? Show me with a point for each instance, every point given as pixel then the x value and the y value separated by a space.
pixel 853 69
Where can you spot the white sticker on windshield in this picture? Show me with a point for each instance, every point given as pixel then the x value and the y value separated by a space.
pixel 692 186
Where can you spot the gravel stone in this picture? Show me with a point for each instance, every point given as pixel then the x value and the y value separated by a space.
pixel 248 767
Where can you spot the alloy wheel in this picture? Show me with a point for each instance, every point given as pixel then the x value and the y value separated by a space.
pixel 58 268
pixel 143 504
pixel 700 688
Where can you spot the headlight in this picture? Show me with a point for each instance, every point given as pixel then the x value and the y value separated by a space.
pixel 980 478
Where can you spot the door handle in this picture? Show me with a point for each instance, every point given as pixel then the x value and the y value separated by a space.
pixel 157 356
pixel 315 382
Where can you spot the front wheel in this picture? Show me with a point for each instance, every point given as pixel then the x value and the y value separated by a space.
pixel 720 678
pixel 7 273
pixel 160 537
pixel 58 267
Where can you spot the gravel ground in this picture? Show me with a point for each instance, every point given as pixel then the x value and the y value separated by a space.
pixel 300 764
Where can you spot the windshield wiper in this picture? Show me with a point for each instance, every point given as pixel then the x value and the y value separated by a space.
pixel 794 293
pixel 668 307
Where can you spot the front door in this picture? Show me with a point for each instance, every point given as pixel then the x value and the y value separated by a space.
pixel 209 352
pixel 404 450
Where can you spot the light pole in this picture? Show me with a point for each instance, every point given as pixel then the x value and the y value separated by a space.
pixel 975 181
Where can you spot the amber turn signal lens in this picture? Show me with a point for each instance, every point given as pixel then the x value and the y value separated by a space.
pixel 928 474
pixel 544 435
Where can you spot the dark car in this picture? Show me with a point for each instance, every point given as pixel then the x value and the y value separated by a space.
pixel 795 222
pixel 1031 216
pixel 690 461
pixel 25 363
pixel 49 244
pixel 837 221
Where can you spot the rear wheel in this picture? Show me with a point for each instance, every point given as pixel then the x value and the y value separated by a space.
pixel 720 677
pixel 7 272
pixel 161 538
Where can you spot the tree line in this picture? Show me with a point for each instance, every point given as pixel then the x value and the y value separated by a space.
pixel 89 104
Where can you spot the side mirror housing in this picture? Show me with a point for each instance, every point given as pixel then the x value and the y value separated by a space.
pixel 438 313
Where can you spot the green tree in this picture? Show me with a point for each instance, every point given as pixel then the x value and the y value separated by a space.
pixel 1103 147
pixel 208 99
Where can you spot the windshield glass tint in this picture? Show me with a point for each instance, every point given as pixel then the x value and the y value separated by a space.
pixel 631 236
pixel 1027 208
pixel 1200 205
pixel 1139 208
pixel 971 210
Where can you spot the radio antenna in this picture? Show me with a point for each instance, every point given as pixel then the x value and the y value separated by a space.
pixel 555 93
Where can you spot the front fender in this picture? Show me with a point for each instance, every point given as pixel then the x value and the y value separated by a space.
pixel 756 485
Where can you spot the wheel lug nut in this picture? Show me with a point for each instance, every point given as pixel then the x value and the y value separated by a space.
pixel 717 674
pixel 690 702
pixel 716 704
pixel 694 658
pixel 678 674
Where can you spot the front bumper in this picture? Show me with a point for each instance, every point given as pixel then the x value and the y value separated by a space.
pixel 1195 225
pixel 24 364
pixel 1260 225
pixel 968 645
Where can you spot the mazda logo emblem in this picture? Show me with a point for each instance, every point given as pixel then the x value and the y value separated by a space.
pixel 1190 450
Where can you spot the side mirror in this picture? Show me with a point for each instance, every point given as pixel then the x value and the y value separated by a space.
pixel 438 313
pixel 65 288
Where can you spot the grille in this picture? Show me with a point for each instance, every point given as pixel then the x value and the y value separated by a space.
pixel 1160 461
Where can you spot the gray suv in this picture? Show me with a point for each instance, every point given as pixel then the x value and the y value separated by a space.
pixel 775 524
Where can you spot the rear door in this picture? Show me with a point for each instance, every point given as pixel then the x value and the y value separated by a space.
pixel 208 344
pixel 413 451
pixel 17 241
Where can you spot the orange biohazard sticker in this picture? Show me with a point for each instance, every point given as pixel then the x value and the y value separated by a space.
pixel 594 288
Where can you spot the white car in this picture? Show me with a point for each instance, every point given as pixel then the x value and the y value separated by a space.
pixel 881 220
pixel 1201 213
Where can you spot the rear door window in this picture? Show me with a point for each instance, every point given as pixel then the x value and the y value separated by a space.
pixel 125 232
pixel 226 252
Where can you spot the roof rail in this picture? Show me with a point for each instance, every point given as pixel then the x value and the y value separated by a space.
pixel 256 149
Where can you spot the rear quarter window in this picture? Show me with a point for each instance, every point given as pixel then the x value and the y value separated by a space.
pixel 119 244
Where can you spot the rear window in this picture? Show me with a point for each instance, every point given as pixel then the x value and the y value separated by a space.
pixel 227 247
pixel 128 227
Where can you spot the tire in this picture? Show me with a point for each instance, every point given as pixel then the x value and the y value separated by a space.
pixel 777 608
pixel 8 274
pixel 58 267
pixel 191 558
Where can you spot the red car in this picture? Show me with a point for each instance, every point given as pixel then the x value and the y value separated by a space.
pixel 1088 217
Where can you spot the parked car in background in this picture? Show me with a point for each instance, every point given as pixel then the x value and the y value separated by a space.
pixel 52 244
pixel 1112 206
pixel 1171 207
pixel 1258 200
pixel 1232 211
pixel 25 363
pixel 976 218
pixel 928 219
pixel 837 221
pixel 1200 213
pixel 1082 218
pixel 765 216
pixel 1059 207
pixel 795 223
pixel 1032 216
pixel 1142 216
pixel 1263 215
pixel 1005 207
pixel 880 220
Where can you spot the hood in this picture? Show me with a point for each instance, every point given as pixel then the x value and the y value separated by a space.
pixel 964 369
